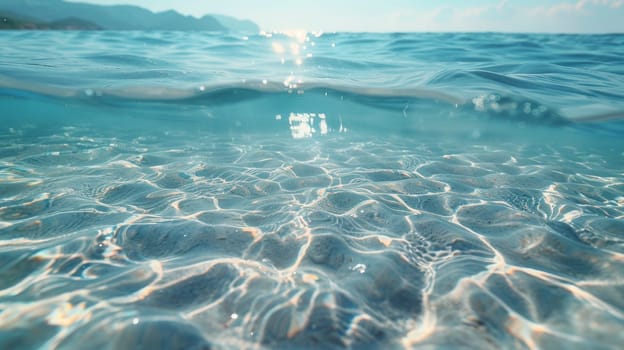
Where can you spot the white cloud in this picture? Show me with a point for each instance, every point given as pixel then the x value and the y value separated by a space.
pixel 579 6
pixel 580 16
pixel 448 18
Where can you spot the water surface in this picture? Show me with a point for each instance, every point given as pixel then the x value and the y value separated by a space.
pixel 190 190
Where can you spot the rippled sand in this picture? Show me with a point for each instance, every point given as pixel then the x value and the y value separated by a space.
pixel 167 241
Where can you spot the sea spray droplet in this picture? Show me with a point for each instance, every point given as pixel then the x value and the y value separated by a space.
pixel 361 268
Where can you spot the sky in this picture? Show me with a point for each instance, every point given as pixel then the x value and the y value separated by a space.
pixel 561 16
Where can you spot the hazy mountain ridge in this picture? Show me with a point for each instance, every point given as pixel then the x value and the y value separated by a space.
pixel 9 20
pixel 117 17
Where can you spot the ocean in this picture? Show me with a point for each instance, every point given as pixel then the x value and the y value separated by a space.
pixel 170 190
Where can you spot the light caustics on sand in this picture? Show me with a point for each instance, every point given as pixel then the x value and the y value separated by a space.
pixel 272 242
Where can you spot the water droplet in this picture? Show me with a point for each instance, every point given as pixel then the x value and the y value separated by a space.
pixel 361 268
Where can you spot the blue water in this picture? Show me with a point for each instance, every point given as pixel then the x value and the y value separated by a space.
pixel 164 190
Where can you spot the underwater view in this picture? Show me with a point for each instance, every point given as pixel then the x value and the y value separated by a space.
pixel 303 190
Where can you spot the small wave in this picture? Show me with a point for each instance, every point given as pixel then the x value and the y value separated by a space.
pixel 127 59
pixel 492 105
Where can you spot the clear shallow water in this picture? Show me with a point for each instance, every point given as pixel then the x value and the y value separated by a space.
pixel 185 190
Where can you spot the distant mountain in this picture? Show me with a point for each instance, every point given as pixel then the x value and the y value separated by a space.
pixel 12 21
pixel 232 23
pixel 121 17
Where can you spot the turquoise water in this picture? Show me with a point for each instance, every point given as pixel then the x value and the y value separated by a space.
pixel 163 190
